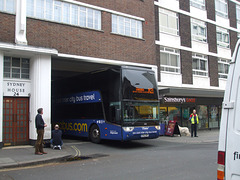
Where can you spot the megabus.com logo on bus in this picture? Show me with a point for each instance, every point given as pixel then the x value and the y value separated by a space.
pixel 68 126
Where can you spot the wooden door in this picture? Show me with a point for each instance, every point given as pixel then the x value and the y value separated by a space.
pixel 15 121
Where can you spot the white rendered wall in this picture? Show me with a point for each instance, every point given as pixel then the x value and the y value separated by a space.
pixel 170 40
pixel 224 52
pixel 169 4
pixel 171 79
pixel 222 83
pixel 201 82
pixel 223 22
pixel 40 74
pixel 195 12
pixel 200 47
pixel 1 96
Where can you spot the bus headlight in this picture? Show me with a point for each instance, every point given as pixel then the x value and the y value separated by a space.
pixel 158 127
pixel 128 129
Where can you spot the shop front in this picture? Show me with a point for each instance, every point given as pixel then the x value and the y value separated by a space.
pixel 180 108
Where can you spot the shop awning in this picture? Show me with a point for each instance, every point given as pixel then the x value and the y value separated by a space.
pixel 190 92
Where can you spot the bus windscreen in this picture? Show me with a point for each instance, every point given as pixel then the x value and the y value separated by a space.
pixel 139 85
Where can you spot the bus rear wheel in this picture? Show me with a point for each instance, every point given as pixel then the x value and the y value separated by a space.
pixel 95 134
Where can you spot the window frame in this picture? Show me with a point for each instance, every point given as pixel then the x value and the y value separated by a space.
pixel 199 24
pixel 223 62
pixel 238 16
pixel 220 12
pixel 223 32
pixel 197 4
pixel 167 29
pixel 66 13
pixel 169 52
pixel 21 68
pixel 119 26
pixel 199 72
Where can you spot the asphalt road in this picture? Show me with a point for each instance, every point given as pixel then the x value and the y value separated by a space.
pixel 138 160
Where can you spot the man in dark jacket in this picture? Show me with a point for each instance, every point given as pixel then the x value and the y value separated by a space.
pixel 40 125
pixel 56 140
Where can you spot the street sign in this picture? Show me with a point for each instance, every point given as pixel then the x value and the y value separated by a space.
pixel 172 128
pixel 17 88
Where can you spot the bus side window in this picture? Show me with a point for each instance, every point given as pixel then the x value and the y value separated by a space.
pixel 112 113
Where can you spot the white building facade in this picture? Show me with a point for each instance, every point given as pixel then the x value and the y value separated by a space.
pixel 196 41
pixel 42 37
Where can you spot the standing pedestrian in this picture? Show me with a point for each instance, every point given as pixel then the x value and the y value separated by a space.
pixel 40 125
pixel 194 122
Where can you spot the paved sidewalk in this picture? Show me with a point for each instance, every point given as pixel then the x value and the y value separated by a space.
pixel 204 136
pixel 19 156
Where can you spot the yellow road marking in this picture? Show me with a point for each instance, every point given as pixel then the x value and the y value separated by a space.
pixel 78 152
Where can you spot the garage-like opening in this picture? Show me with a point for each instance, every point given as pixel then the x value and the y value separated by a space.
pixel 96 100
pixel 64 70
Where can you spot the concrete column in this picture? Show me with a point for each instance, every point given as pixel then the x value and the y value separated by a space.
pixel 40 74
pixel 1 99
pixel 21 22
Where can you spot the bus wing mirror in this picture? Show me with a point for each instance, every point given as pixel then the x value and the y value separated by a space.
pixel 118 115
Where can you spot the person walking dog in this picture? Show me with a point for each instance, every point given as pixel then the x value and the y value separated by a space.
pixel 194 122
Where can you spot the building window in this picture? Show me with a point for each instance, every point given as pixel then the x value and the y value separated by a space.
pixel 223 67
pixel 238 16
pixel 170 60
pixel 199 30
pixel 221 8
pixel 222 37
pixel 30 7
pixel 16 67
pixel 200 65
pixel 48 10
pixel 126 26
pixel 64 12
pixel 40 9
pixel 198 4
pixel 58 11
pixel 8 6
pixel 168 21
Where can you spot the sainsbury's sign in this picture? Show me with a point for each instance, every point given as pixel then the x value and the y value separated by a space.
pixel 181 100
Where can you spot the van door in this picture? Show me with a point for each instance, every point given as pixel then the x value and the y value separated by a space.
pixel 232 153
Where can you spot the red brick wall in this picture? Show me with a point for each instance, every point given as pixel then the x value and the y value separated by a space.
pixel 80 41
pixel 7 28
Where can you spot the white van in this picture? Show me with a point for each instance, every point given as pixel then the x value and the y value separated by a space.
pixel 229 137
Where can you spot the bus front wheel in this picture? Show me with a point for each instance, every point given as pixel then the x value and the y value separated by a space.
pixel 95 134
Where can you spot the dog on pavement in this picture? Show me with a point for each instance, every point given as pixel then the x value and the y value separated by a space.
pixel 184 131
